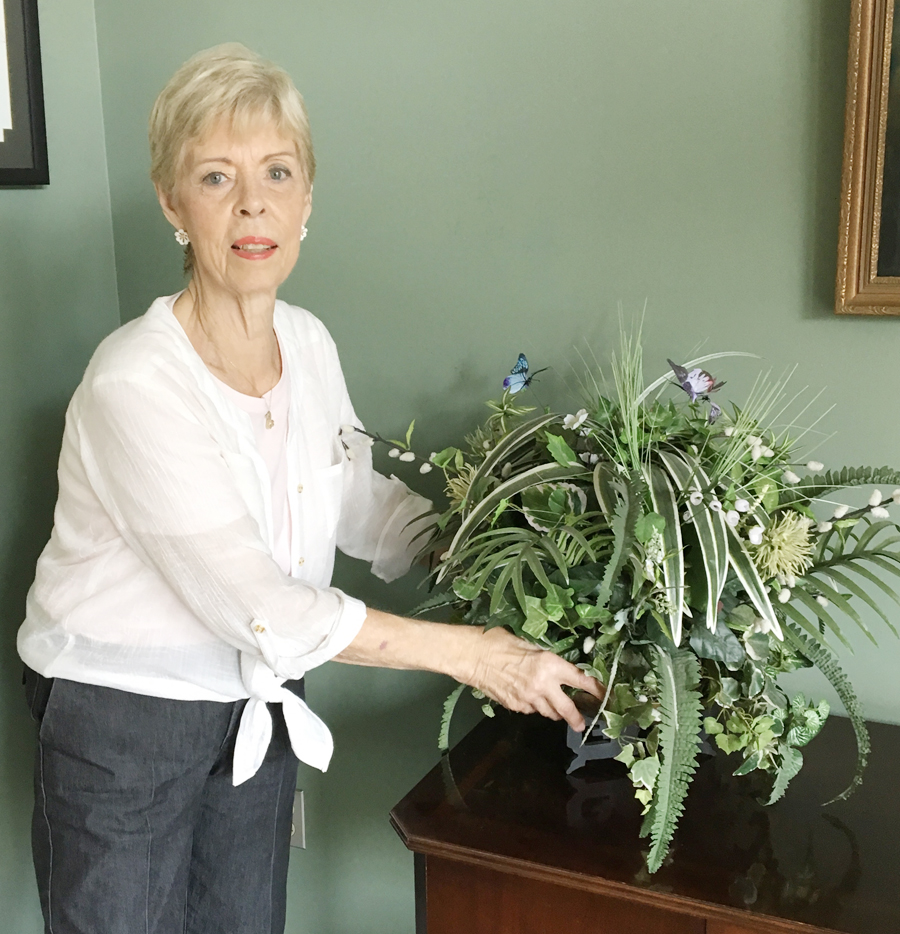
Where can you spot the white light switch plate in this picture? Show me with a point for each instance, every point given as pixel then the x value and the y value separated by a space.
pixel 298 823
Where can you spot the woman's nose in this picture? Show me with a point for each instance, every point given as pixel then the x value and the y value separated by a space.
pixel 250 201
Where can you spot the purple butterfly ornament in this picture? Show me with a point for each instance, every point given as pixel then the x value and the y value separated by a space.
pixel 698 384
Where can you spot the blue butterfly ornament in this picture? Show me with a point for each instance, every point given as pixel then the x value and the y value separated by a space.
pixel 518 378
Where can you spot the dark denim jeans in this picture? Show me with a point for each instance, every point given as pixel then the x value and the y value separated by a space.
pixel 137 827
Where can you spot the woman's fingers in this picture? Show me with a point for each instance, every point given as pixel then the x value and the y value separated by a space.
pixel 528 679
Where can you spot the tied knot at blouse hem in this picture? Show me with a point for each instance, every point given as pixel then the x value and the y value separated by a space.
pixel 159 576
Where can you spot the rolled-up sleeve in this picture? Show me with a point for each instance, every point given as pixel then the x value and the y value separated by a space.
pixel 161 476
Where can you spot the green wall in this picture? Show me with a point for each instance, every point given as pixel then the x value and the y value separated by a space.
pixel 494 177
pixel 57 301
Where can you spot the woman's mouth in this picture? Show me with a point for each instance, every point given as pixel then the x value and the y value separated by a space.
pixel 254 247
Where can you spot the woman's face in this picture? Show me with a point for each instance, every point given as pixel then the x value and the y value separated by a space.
pixel 243 200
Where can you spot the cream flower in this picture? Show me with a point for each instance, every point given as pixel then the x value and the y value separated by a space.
pixel 785 546
pixel 576 420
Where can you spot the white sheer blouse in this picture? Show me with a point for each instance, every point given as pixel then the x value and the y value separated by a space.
pixel 159 576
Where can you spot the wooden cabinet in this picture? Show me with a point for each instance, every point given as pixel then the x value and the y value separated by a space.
pixel 507 843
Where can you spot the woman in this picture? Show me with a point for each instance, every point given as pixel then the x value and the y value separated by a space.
pixel 204 485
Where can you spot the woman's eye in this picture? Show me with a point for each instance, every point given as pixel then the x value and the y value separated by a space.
pixel 214 178
pixel 279 173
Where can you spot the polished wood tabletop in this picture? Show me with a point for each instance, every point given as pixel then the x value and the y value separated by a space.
pixel 502 799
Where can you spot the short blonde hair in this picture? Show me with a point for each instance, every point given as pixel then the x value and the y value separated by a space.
pixel 229 81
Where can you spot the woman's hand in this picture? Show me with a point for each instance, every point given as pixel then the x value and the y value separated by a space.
pixel 528 679
pixel 507 669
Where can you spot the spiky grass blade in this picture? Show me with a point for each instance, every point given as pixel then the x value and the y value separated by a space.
pixel 507 447
pixel 746 572
pixel 626 515
pixel 665 504
pixel 543 473
pixel 710 528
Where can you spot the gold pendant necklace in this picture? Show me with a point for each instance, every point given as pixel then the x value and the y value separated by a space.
pixel 270 422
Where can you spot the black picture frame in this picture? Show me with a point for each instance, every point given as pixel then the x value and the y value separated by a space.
pixel 23 149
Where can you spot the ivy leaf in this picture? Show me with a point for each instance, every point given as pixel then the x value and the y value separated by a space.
pixel 728 693
pixel 557 601
pixel 588 614
pixel 649 523
pixel 536 618
pixel 644 772
pixel 731 742
pixel 758 646
pixel 615 723
pixel 749 764
pixel 465 589
pixel 626 754
pixel 712 727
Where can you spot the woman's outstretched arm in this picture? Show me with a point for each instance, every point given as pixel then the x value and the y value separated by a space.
pixel 511 671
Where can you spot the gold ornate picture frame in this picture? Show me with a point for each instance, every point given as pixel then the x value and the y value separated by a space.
pixel 868 273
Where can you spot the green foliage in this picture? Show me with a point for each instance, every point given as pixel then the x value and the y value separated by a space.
pixel 674 558
pixel 678 673
pixel 449 707
pixel 813 488
pixel 828 665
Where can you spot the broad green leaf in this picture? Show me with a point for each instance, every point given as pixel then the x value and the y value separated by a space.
pixel 561 452
pixel 721 645
pixel 444 458
pixel 649 523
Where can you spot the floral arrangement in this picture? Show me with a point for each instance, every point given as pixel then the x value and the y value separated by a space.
pixel 681 554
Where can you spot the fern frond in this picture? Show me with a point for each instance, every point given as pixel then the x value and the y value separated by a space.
pixel 791 763
pixel 447 716
pixel 811 488
pixel 828 665
pixel 679 743
pixel 434 602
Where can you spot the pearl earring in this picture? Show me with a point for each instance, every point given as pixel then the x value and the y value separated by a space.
pixel 181 235
pixel 303 232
